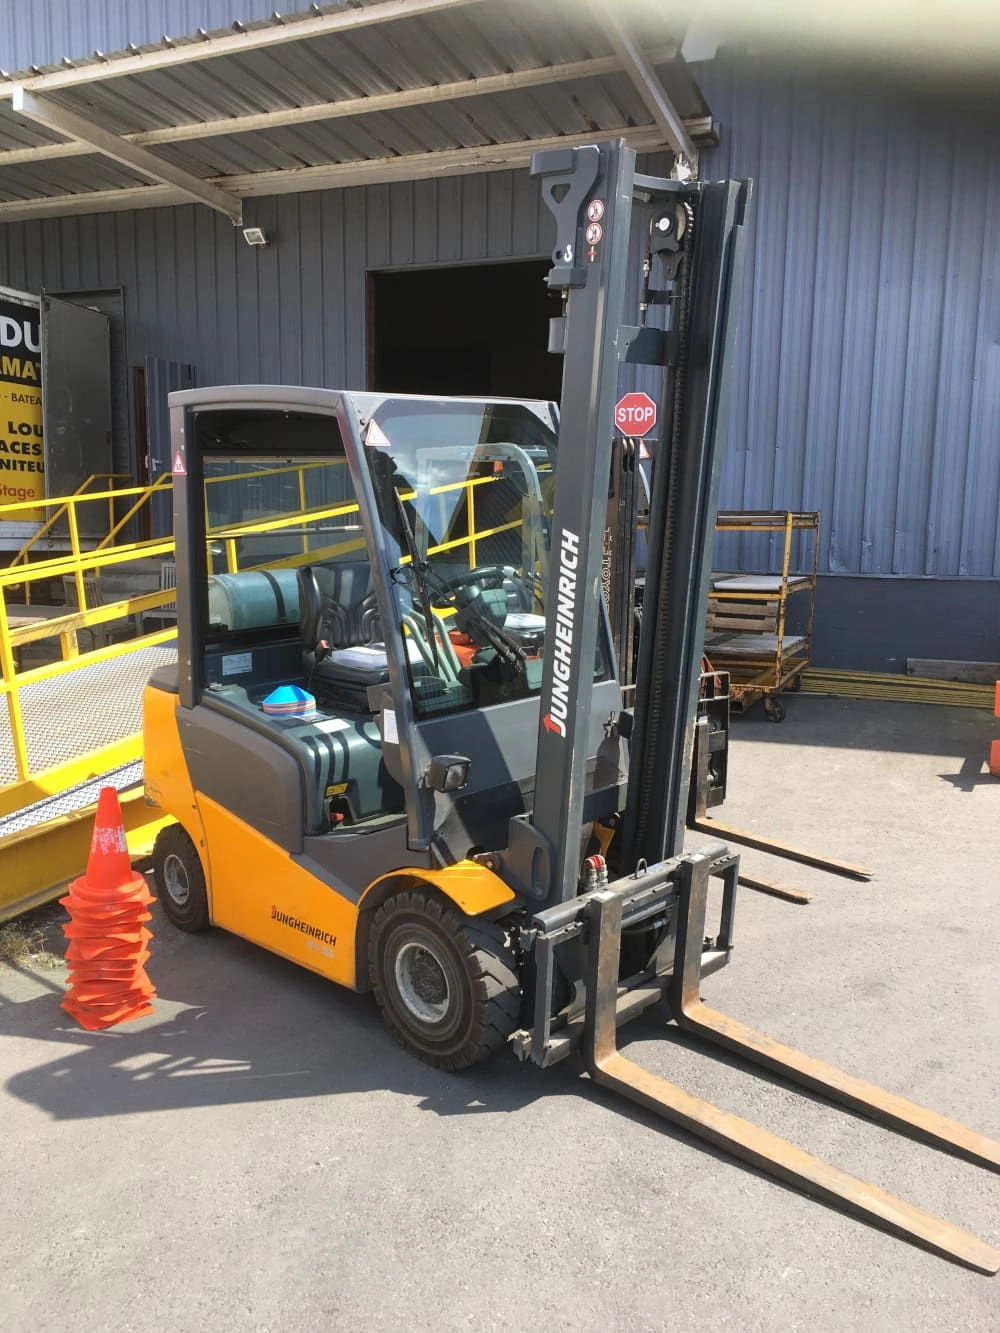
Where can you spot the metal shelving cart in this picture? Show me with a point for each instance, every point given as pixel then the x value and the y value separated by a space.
pixel 759 626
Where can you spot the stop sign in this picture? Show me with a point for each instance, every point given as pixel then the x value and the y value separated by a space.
pixel 635 414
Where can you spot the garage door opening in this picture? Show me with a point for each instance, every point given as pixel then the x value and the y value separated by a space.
pixel 470 329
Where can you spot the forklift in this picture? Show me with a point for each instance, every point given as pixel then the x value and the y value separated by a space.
pixel 394 747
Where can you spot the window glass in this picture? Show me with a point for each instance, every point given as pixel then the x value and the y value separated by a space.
pixel 278 496
pixel 465 494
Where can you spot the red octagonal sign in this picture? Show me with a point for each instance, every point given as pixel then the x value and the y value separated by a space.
pixel 635 414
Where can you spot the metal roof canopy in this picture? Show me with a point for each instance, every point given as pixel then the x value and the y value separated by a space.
pixel 344 95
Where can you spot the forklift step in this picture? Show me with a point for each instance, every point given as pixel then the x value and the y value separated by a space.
pixel 744 1140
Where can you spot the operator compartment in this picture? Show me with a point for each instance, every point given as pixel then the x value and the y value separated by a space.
pixel 289 625
pixel 364 573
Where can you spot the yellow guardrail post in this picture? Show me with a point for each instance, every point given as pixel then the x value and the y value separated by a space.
pixel 14 714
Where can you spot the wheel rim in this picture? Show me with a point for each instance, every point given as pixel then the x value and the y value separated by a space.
pixel 422 983
pixel 176 884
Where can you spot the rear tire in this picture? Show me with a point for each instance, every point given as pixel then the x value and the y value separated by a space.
pixel 180 880
pixel 447 985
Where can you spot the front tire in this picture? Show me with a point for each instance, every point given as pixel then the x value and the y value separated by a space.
pixel 180 880
pixel 447 985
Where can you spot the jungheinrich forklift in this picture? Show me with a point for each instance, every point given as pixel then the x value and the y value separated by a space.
pixel 394 745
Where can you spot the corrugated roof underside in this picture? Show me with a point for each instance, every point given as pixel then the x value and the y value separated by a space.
pixel 867 382
pixel 414 54
pixel 34 33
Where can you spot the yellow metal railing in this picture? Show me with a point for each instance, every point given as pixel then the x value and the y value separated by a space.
pixel 36 861
pixel 65 508
pixel 65 624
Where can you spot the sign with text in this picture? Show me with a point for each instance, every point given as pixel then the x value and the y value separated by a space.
pixel 22 459
pixel 635 414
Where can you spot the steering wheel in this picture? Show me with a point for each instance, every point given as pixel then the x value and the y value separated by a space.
pixel 483 576
pixel 479 597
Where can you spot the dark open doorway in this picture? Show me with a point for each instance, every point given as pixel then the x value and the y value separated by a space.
pixel 471 329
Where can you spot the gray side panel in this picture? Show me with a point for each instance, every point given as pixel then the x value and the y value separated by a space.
pixel 76 401
pixel 244 772
pixel 349 862
pixel 503 739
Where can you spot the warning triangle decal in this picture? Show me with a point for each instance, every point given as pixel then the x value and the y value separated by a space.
pixel 375 435
pixel 179 470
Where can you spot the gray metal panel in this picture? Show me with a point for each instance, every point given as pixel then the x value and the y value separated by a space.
pixel 76 401
pixel 872 624
pixel 112 304
pixel 868 377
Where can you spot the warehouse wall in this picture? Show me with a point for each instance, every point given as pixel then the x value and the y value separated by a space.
pixel 868 378
pixel 867 382
pixel 292 312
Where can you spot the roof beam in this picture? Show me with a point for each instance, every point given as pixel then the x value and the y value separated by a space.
pixel 485 86
pixel 184 52
pixel 57 118
pixel 649 87
pixel 340 175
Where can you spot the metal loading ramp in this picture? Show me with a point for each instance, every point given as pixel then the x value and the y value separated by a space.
pixel 81 731
pixel 89 709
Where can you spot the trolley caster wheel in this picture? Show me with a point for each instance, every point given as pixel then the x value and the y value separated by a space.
pixel 773 710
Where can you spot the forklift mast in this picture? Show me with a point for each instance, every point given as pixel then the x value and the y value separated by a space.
pixel 693 241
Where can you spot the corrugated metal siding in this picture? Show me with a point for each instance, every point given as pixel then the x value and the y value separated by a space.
pixel 293 312
pixel 867 383
pixel 41 32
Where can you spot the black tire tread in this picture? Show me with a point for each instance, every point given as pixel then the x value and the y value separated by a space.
pixel 194 918
pixel 490 965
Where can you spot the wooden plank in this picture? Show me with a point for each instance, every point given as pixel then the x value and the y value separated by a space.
pixel 759 625
pixel 744 606
pixel 913 689
pixel 735 604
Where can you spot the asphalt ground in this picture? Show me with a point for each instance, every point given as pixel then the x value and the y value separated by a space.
pixel 259 1155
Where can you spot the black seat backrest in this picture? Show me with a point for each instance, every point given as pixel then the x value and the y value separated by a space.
pixel 337 604
pixel 321 613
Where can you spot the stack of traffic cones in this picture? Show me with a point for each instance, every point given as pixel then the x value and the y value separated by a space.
pixel 107 951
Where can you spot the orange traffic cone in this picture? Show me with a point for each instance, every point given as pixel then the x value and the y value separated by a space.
pixel 108 907
pixel 995 747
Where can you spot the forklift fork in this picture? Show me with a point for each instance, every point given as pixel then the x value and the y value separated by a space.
pixel 732 1134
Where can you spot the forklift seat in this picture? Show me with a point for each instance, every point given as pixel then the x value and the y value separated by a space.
pixel 336 605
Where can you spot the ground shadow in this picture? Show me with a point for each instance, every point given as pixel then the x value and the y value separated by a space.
pixel 233 1023
pixel 973 773
pixel 887 725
